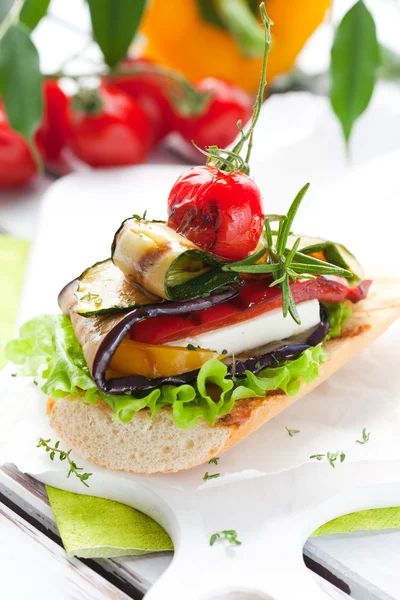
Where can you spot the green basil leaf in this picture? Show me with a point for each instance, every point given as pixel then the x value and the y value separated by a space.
pixel 354 64
pixel 114 24
pixel 32 12
pixel 5 6
pixel 21 81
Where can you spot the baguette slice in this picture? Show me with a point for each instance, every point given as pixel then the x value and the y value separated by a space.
pixel 147 445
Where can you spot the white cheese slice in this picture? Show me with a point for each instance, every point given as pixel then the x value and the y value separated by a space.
pixel 256 332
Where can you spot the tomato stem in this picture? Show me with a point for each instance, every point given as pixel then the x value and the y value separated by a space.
pixel 87 101
pixel 187 100
pixel 233 161
pixel 260 94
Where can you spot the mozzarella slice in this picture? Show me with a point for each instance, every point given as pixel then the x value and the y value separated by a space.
pixel 257 332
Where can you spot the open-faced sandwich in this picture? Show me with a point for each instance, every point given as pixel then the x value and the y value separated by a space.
pixel 200 329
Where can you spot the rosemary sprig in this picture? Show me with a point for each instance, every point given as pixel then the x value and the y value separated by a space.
pixel 73 468
pixel 285 264
pixel 227 534
pixel 213 461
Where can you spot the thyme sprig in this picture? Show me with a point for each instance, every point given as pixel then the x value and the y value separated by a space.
pixel 331 457
pixel 365 437
pixel 207 476
pixel 73 468
pixel 292 432
pixel 285 264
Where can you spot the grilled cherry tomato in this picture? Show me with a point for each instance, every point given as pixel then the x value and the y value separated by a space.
pixel 219 212
pixel 148 90
pixel 217 125
pixel 107 128
pixel 52 132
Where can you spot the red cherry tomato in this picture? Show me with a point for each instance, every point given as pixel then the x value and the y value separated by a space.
pixel 107 128
pixel 219 212
pixel 148 90
pixel 17 166
pixel 52 132
pixel 217 126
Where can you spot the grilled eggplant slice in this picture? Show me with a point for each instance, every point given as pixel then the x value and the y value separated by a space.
pixel 100 337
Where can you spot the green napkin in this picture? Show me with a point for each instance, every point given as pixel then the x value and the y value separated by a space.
pixel 95 527
pixel 13 256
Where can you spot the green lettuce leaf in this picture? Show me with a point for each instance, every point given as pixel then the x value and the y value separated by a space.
pixel 338 314
pixel 289 375
pixel 47 346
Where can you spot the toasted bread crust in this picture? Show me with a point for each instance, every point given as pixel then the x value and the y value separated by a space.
pixel 148 445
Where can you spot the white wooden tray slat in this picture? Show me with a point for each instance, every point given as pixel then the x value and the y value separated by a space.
pixel 36 567
pixel 141 572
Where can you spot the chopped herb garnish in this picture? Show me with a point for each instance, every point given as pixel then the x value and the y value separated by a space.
pixel 53 450
pixel 137 217
pixel 213 461
pixel 207 476
pixel 292 432
pixel 224 352
pixel 35 382
pixel 191 347
pixel 365 437
pixel 318 456
pixel 89 296
pixel 13 374
pixel 98 302
pixel 228 534
pixel 331 457
pixel 144 214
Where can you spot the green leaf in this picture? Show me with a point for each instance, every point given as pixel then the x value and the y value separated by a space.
pixel 354 64
pixel 114 24
pixel 21 81
pixel 32 12
pixel 5 6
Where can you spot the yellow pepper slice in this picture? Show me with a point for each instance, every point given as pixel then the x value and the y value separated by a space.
pixel 151 360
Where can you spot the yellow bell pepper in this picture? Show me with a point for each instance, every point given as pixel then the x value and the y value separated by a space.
pixel 178 37
pixel 151 360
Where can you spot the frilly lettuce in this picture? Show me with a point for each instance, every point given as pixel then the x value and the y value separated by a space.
pixel 338 314
pixel 47 346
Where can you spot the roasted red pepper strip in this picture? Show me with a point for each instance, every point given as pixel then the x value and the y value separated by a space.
pixel 255 298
